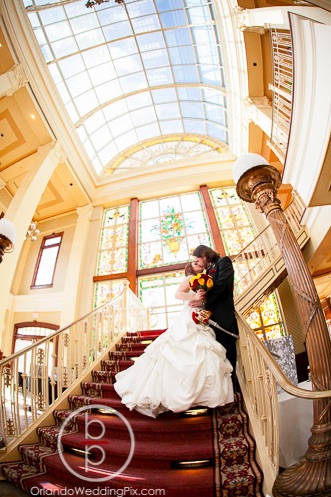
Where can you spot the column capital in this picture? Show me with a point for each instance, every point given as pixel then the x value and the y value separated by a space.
pixel 262 102
pixel 54 150
pixel 244 22
pixel 12 80
pixel 85 211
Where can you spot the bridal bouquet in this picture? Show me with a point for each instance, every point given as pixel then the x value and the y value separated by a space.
pixel 201 281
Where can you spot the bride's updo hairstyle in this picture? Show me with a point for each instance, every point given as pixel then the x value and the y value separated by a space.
pixel 189 271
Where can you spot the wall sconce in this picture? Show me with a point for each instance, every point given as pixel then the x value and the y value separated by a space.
pixel 7 237
pixel 33 231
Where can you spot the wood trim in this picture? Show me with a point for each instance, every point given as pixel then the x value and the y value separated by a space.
pixel 142 272
pixel 106 277
pixel 133 244
pixel 213 224
pixel 161 269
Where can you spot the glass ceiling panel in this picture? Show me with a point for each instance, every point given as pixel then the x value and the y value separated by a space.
pixel 147 71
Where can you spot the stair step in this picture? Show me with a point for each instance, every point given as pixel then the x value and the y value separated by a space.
pixel 33 454
pixel 103 376
pixel 157 460
pixel 116 366
pixel 14 471
pixel 131 347
pixel 165 426
pixel 172 482
pixel 123 354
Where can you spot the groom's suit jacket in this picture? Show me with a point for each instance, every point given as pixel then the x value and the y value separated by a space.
pixel 219 300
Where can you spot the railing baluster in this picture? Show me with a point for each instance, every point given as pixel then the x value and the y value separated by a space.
pixel 260 254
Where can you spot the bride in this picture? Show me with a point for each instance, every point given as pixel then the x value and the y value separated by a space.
pixel 182 368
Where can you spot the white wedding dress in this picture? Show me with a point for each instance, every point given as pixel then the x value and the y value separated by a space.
pixel 182 368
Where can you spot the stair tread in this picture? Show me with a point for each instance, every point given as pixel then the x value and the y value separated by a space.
pixel 150 447
pixel 138 477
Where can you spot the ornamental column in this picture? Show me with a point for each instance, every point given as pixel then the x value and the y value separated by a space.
pixel 257 181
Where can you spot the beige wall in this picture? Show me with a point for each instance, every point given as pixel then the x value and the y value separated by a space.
pixel 30 251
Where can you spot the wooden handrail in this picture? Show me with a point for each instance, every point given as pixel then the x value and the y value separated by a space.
pixel 258 374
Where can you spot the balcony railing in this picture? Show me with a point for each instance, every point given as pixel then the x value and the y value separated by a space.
pixel 282 90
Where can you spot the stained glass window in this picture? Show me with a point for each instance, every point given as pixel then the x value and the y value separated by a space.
pixel 233 219
pixel 113 251
pixel 170 228
pixel 158 293
pixel 107 290
pixel 266 320
pixel 237 231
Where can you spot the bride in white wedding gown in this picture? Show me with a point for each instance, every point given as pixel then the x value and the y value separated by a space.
pixel 182 368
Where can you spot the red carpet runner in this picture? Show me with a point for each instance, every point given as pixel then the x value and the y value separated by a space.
pixel 175 455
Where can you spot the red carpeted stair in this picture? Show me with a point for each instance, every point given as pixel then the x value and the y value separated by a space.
pixel 218 439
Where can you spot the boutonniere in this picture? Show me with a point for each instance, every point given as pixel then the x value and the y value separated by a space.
pixel 212 271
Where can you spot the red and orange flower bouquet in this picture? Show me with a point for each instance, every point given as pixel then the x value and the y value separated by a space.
pixel 201 281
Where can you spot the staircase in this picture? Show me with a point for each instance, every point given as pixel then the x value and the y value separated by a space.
pixel 202 452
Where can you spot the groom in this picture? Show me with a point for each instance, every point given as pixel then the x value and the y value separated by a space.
pixel 219 300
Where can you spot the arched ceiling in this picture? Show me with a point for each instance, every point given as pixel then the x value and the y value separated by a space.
pixel 134 74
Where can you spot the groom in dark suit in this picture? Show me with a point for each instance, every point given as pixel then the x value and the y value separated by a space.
pixel 219 300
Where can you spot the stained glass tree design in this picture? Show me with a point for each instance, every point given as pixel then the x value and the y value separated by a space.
pixel 170 228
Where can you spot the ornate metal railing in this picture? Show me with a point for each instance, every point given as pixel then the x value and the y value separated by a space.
pixel 258 374
pixel 261 259
pixel 34 378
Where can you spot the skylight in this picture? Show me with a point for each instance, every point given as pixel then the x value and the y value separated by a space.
pixel 142 71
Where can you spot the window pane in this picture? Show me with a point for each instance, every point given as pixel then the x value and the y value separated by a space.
pixel 170 228
pixel 157 292
pixel 107 290
pixel 113 251
pixel 47 266
pixel 233 219
pixel 266 319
